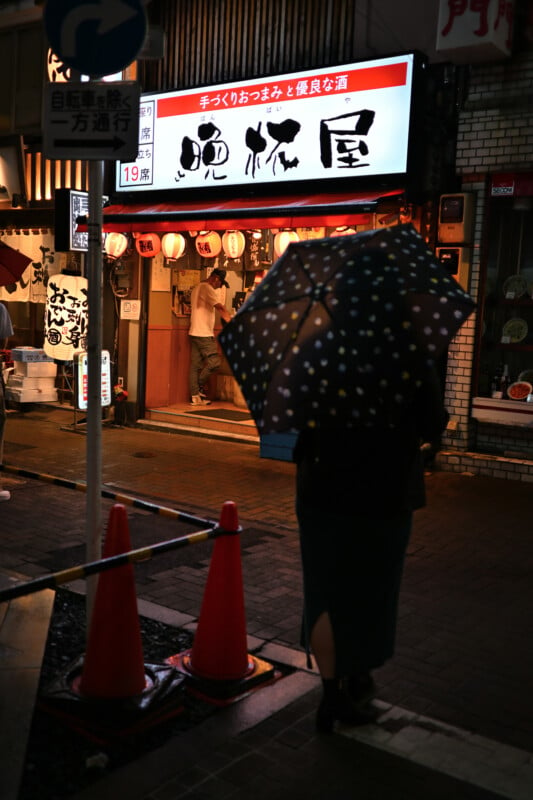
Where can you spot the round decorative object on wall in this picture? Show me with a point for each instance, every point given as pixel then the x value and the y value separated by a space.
pixel 115 245
pixel 209 244
pixel 233 243
pixel 173 245
pixel 282 240
pixel 148 245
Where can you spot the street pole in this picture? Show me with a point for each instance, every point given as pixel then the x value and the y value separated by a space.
pixel 94 378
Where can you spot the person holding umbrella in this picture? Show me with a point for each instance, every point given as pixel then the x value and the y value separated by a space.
pixel 6 330
pixel 356 493
pixel 338 344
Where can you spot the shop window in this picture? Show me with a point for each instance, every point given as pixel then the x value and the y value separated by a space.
pixel 506 344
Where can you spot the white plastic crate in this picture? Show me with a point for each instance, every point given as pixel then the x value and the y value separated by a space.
pixel 36 369
pixel 23 382
pixel 31 395
pixel 29 354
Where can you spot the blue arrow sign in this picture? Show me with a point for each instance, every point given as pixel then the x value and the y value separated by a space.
pixel 95 37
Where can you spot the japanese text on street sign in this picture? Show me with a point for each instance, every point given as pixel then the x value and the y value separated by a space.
pixel 91 121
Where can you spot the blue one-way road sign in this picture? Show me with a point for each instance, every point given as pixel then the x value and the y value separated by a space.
pixel 96 37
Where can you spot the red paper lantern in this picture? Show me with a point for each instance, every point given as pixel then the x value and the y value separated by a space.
pixel 148 245
pixel 233 243
pixel 209 244
pixel 115 245
pixel 173 245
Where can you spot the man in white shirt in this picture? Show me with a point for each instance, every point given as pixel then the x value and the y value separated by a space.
pixel 6 330
pixel 205 358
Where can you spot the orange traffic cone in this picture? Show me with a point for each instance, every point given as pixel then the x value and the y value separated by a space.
pixel 219 651
pixel 218 667
pixel 113 666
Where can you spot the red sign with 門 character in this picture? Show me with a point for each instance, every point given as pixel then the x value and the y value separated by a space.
pixel 471 31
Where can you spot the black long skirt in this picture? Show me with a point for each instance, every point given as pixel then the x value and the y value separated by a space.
pixel 352 569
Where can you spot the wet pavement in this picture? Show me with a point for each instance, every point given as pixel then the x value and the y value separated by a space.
pixel 456 699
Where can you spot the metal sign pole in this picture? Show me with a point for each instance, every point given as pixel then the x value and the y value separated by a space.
pixel 94 38
pixel 94 379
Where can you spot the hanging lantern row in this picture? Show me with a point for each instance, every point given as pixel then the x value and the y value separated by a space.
pixel 208 243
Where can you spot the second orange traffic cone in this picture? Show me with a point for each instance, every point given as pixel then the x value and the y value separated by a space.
pixel 219 650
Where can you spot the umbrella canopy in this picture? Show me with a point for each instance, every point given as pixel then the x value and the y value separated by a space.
pixel 341 331
pixel 12 264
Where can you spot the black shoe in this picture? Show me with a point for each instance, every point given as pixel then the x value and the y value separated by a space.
pixel 343 709
pixel 361 687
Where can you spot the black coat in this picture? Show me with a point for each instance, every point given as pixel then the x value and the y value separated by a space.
pixel 378 469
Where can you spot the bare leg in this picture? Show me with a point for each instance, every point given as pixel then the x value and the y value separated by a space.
pixel 336 703
pixel 323 646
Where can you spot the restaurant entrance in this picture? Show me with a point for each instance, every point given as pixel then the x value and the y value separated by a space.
pixel 246 255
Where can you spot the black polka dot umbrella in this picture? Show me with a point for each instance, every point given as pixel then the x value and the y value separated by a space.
pixel 341 331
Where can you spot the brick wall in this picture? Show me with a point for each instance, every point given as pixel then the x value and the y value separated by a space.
pixel 496 124
pixel 495 134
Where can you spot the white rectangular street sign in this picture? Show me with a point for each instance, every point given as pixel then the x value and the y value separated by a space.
pixel 91 121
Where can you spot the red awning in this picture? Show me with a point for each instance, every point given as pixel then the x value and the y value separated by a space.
pixel 346 208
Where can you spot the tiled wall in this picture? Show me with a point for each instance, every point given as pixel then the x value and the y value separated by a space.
pixel 495 134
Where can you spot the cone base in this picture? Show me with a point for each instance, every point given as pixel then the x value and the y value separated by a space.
pixel 223 692
pixel 106 720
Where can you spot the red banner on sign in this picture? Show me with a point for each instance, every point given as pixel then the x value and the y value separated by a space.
pixel 301 87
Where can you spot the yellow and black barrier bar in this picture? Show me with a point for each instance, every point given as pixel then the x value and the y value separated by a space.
pixel 55 579
pixel 128 500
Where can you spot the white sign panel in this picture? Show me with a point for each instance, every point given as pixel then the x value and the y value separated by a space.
pixel 82 382
pixel 93 121
pixel 130 309
pixel 475 30
pixel 347 121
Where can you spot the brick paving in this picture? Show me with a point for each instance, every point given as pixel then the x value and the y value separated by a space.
pixel 465 651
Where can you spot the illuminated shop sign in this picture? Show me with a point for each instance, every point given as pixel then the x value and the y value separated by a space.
pixel 82 379
pixel 475 31
pixel 71 204
pixel 345 121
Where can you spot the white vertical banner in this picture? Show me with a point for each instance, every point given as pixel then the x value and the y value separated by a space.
pixel 45 262
pixel 66 317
